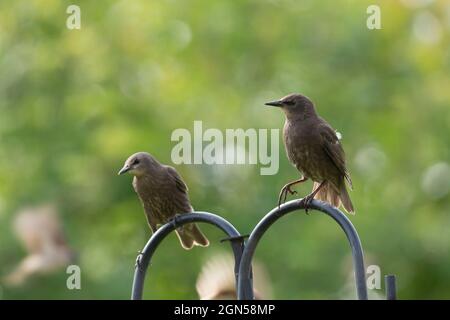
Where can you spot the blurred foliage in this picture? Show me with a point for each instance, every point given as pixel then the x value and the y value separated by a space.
pixel 75 103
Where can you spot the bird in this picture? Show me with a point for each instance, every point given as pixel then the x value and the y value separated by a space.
pixel 164 196
pixel 40 230
pixel 313 148
pixel 217 280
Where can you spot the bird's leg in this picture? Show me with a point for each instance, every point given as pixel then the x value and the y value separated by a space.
pixel 307 200
pixel 287 188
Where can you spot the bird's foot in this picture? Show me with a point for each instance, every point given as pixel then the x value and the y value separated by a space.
pixel 290 190
pixel 307 202
pixel 174 220
pixel 283 194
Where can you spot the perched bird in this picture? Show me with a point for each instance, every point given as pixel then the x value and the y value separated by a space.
pixel 217 281
pixel 313 147
pixel 163 195
pixel 41 233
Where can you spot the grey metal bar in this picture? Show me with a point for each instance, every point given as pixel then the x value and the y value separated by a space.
pixel 391 287
pixel 145 256
pixel 244 290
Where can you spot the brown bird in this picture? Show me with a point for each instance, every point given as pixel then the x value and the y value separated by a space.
pixel 163 195
pixel 313 147
pixel 41 232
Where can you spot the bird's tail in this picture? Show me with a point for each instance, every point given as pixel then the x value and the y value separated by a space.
pixel 190 235
pixel 329 194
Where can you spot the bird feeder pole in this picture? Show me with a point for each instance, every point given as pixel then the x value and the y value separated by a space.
pixel 277 213
pixel 243 253
pixel 144 257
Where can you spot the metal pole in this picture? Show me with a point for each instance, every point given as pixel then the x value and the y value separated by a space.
pixel 145 256
pixel 245 292
pixel 391 287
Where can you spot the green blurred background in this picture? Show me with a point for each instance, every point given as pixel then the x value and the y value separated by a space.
pixel 74 104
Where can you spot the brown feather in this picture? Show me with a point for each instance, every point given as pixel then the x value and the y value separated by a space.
pixel 313 147
pixel 164 195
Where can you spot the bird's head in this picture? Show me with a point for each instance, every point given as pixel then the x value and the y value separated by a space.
pixel 294 104
pixel 139 164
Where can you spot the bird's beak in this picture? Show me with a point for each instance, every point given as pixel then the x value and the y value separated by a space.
pixel 125 169
pixel 278 103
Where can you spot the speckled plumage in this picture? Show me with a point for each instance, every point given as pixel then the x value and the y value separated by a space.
pixel 163 195
pixel 313 147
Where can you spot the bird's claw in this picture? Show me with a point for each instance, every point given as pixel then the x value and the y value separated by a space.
pixel 175 220
pixel 283 194
pixel 307 202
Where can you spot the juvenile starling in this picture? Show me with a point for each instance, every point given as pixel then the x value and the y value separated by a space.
pixel 313 147
pixel 163 195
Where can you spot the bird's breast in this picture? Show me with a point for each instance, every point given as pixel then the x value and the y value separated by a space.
pixel 161 200
pixel 303 150
pixel 296 142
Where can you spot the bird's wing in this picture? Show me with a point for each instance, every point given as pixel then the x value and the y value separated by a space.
pixel 179 183
pixel 151 218
pixel 180 197
pixel 334 150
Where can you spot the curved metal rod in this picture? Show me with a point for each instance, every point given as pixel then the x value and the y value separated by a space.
pixel 244 291
pixel 391 287
pixel 145 256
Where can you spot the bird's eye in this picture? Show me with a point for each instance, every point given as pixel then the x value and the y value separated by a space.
pixel 136 161
pixel 289 102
